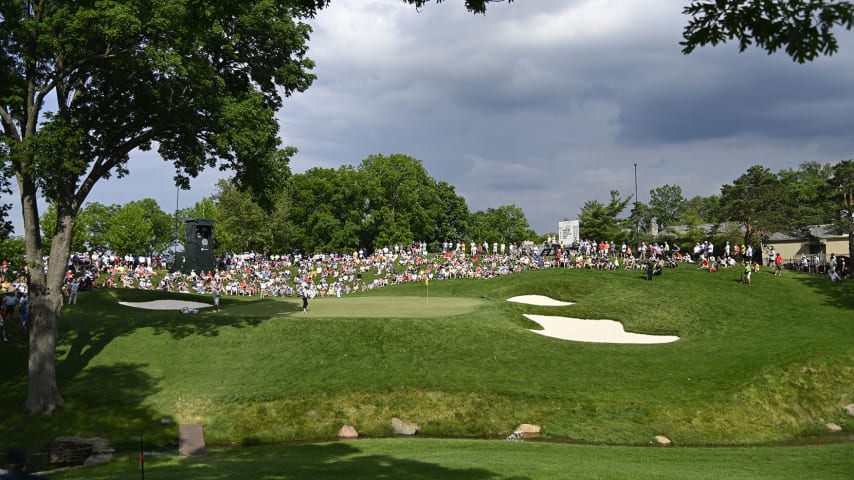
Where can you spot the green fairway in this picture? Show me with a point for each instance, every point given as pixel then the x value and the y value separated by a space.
pixel 375 306
pixel 772 362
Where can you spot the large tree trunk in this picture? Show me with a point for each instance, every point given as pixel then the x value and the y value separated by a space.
pixel 45 291
pixel 42 391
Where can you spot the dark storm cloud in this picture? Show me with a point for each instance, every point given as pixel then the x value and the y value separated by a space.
pixel 545 105
pixel 753 94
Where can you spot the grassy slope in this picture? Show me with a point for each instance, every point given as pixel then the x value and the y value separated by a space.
pixel 764 363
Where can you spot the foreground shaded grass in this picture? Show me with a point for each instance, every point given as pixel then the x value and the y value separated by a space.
pixel 473 459
pixel 773 362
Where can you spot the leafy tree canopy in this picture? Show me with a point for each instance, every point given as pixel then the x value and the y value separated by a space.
pixel 758 201
pixel 243 225
pixel 667 205
pixel 804 29
pixel 84 83
pixel 506 224
pixel 401 199
pixel 599 221
pixel 840 195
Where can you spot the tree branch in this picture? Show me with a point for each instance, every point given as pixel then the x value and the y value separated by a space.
pixel 104 166
pixel 9 125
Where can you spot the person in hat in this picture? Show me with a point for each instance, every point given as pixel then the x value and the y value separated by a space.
pixel 304 294
pixel 16 465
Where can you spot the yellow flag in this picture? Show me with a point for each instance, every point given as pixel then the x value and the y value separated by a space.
pixel 426 281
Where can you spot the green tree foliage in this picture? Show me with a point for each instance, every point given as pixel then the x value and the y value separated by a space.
pixel 807 186
pixel 506 224
pixel 667 205
pixel 759 202
pixel 640 223
pixel 327 210
pixel 90 228
pixel 6 228
pixel 804 29
pixel 204 208
pixel 83 84
pixel 12 251
pixel 402 202
pixel 840 195
pixel 96 219
pixel 386 200
pixel 241 224
pixel 694 221
pixel 452 217
pixel 704 209
pixel 599 221
pixel 140 227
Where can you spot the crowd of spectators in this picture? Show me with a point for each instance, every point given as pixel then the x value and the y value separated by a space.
pixel 337 274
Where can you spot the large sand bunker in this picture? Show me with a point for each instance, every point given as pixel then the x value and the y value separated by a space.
pixel 539 300
pixel 584 330
pixel 599 331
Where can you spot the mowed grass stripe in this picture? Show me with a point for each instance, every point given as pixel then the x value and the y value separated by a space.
pixel 370 307
pixel 430 459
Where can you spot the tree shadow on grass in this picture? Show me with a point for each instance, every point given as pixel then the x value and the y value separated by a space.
pixel 839 295
pixel 99 318
pixel 105 398
pixel 100 399
pixel 298 461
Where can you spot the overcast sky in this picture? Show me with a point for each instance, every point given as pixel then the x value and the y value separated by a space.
pixel 545 104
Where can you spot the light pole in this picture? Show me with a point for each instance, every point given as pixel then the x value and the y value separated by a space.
pixel 637 205
pixel 177 226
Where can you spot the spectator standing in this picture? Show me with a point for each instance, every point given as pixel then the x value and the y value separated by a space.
pixel 9 301
pixel 216 295
pixel 23 313
pixel 72 292
pixel 778 265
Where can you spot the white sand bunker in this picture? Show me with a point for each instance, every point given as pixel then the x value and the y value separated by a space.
pixel 165 304
pixel 582 330
pixel 539 300
pixel 600 331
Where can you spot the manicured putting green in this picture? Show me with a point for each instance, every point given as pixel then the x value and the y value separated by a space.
pixel 365 307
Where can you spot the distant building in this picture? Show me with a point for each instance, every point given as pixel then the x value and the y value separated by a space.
pixel 821 240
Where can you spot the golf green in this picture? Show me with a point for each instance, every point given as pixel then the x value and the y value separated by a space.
pixel 369 307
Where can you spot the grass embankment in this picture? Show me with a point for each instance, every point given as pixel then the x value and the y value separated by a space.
pixel 771 362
